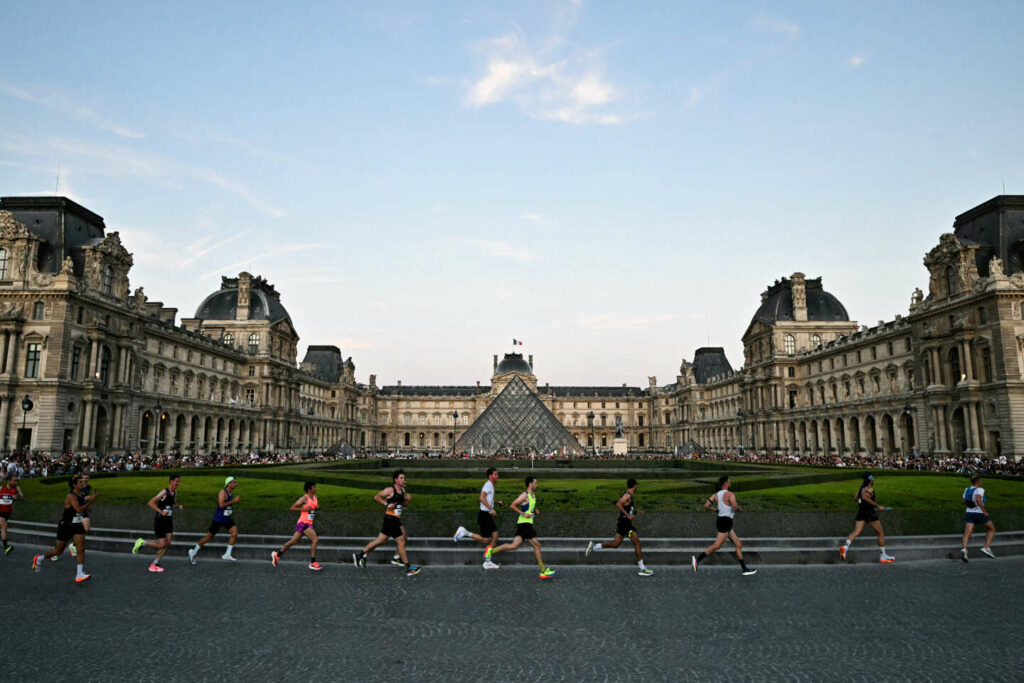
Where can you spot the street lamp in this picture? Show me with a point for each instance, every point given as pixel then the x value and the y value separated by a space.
pixel 739 414
pixel 593 441
pixel 455 430
pixel 26 406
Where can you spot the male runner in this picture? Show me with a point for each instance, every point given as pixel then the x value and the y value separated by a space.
pixel 9 492
pixel 221 519
pixel 163 505
pixel 867 513
pixel 306 506
pixel 394 499
pixel 484 517
pixel 727 507
pixel 70 527
pixel 525 505
pixel 86 491
pixel 974 499
pixel 624 528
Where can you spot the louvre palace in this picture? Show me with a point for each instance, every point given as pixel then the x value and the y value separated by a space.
pixel 89 364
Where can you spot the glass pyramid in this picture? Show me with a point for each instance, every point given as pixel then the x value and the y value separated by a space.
pixel 517 422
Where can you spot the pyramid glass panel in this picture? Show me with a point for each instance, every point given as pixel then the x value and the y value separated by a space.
pixel 518 422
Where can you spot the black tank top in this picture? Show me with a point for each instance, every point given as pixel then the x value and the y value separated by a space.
pixel 167 503
pixel 862 504
pixel 397 498
pixel 629 507
pixel 69 516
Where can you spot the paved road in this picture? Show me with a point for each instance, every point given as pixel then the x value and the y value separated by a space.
pixel 861 623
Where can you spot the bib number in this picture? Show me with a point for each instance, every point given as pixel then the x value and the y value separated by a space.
pixel 312 514
pixel 227 512
pixel 6 500
pixel 77 519
pixel 169 510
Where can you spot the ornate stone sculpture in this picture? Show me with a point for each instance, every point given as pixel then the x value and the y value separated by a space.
pixel 995 267
pixel 620 429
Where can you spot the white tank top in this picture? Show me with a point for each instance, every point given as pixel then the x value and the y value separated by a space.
pixel 724 510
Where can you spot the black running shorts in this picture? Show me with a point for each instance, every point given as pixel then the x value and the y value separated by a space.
pixel 486 522
pixel 526 531
pixel 724 524
pixel 66 532
pixel 392 526
pixel 867 516
pixel 216 526
pixel 163 526
pixel 624 527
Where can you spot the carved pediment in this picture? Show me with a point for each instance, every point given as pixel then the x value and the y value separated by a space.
pixel 111 246
pixel 10 228
pixel 952 267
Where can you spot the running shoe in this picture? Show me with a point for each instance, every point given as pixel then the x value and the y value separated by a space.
pixel 359 560
pixel 645 572
pixel 192 555
pixel 413 570
pixel 35 562
pixel 54 558
pixel 842 551
pixel 963 554
pixel 83 577
pixel 154 567
pixel 547 573
pixel 397 561
pixel 693 561
pixel 8 549
pixel 138 544
pixel 988 551
pixel 490 565
pixel 487 552
pixel 461 533
pixel 229 558
pixel 274 558
pixel 315 566
pixel 749 572
pixel 72 550
pixel 886 558
pixel 590 549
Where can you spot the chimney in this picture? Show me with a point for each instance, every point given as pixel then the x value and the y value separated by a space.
pixel 399 382
pixel 244 286
pixel 495 362
pixel 531 361
pixel 799 298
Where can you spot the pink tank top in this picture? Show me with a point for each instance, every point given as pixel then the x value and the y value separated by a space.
pixel 307 515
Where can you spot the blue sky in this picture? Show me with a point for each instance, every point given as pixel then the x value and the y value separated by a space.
pixel 614 183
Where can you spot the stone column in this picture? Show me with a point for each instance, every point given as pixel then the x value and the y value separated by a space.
pixel 154 431
pixel 974 407
pixel 94 354
pixel 940 427
pixel 5 415
pixel 12 352
pixel 968 364
pixel 6 350
pixel 187 436
pixel 171 432
pixel 87 426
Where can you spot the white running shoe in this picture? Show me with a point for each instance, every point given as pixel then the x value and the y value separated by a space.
pixel 963 554
pixel 749 572
pixel 229 558
pixel 72 550
pixel 988 551
pixel 886 557
pixel 192 555
pixel 490 565
pixel 590 549
pixel 397 561
pixel 461 533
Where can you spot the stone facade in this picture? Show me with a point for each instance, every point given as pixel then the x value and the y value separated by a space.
pixel 109 370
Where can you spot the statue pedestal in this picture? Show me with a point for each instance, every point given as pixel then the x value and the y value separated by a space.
pixel 620 446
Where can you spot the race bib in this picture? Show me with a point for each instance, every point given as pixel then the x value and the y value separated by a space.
pixel 227 512
pixel 6 500
pixel 398 511
pixel 169 510
pixel 77 519
pixel 312 514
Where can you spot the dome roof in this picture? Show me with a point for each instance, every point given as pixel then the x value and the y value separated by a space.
pixel 777 303
pixel 264 302
pixel 513 362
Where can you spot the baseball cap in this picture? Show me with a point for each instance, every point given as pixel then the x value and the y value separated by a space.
pixel 228 480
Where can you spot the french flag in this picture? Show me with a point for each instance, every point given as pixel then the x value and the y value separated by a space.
pixel 517 342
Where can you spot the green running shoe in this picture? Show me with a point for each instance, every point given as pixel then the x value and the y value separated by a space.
pixel 487 552
pixel 547 573
pixel 645 572
pixel 138 544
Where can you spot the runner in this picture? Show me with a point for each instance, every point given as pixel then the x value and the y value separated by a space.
pixel 306 506
pixel 221 519
pixel 624 528
pixel 71 527
pixel 867 513
pixel 163 505
pixel 725 501
pixel 974 499
pixel 394 499
pixel 9 492
pixel 485 517
pixel 86 491
pixel 526 507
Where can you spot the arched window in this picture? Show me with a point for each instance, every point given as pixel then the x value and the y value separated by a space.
pixel 3 264
pixel 254 342
pixel 229 339
pixel 790 344
pixel 815 340
pixel 108 277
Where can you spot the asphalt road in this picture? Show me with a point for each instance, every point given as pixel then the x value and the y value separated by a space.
pixel 936 620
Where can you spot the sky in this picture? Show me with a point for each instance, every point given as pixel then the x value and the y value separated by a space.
pixel 612 183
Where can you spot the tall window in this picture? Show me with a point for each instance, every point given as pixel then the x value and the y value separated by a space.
pixel 108 277
pixel 254 342
pixel 250 397
pixel 3 264
pixel 816 341
pixel 38 310
pixel 76 360
pixel 32 360
pixel 951 281
pixel 105 365
pixel 229 339
pixel 790 344
pixel 252 370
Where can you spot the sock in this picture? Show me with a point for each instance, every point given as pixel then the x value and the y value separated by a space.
pixel 408 566
pixel 848 543
pixel 280 553
pixel 5 542
pixel 154 563
pixel 597 546
pixel 641 565
pixel 742 564
pixel 701 557
pixel 312 559
pixel 228 551
pixel 882 548
pixel 195 549
pixel 81 571
pixel 541 565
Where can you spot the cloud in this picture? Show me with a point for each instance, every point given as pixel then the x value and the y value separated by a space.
pixel 777 25
pixel 273 252
pixel 607 321
pixel 53 99
pixel 239 189
pixel 557 82
pixel 202 247
pixel 855 61
pixel 695 97
pixel 533 217
pixel 501 250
